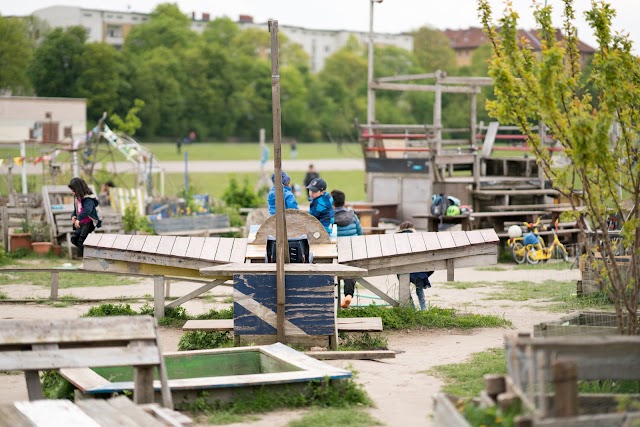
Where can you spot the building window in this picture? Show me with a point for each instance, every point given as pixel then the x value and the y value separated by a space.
pixel 119 16
pixel 114 31
pixel 134 18
pixel 88 15
pixel 327 48
pixel 109 15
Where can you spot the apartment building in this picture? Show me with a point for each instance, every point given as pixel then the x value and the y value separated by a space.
pixel 112 27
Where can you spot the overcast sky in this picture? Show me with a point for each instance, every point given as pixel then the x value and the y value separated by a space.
pixel 392 16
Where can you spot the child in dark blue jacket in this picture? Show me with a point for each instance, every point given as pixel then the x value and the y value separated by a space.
pixel 84 213
pixel 289 198
pixel 420 279
pixel 348 225
pixel 321 203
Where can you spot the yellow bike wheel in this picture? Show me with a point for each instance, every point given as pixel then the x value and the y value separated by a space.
pixel 531 256
pixel 518 252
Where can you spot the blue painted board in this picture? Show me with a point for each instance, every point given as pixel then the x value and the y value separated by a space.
pixel 309 304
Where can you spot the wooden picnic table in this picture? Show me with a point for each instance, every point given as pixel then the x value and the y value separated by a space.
pixel 87 413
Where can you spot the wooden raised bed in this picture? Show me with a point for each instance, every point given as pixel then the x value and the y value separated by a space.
pixel 588 323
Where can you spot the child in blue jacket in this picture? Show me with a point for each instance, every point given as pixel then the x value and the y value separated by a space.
pixel 290 201
pixel 321 203
pixel 419 279
pixel 348 225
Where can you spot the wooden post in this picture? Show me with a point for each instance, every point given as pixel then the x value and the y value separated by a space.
pixel 54 285
pixel 450 270
pixel 437 123
pixel 5 227
pixel 542 132
pixel 282 245
pixel 158 297
pixel 494 385
pixel 565 386
pixel 404 290
pixel 474 117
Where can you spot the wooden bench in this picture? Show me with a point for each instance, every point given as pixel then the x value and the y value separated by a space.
pixel 345 324
pixel 35 345
pixel 117 411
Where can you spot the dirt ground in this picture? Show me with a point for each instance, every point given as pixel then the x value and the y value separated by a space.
pixel 401 392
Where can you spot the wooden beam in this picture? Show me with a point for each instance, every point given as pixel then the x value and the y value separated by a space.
pixel 406 77
pixel 352 355
pixel 470 81
pixel 282 249
pixel 195 293
pixel 111 266
pixel 152 259
pixel 424 257
pixel 424 88
pixel 470 261
pixel 371 287
pixel 298 269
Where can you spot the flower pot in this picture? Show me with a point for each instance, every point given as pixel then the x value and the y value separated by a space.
pixel 41 248
pixel 57 250
pixel 19 240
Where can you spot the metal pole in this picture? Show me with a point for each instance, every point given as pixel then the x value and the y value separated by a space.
pixel 282 250
pixel 371 100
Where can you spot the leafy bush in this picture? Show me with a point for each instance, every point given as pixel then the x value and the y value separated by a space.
pixel 110 310
pixel 55 386
pixel 243 197
pixel 202 340
pixel 133 221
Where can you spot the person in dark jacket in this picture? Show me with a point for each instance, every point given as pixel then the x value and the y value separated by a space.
pixel 290 201
pixel 348 224
pixel 84 213
pixel 421 279
pixel 321 203
pixel 310 176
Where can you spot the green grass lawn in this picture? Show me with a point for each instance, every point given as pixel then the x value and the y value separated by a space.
pixel 214 184
pixel 251 151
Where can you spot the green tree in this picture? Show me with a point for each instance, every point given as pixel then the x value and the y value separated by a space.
pixel 16 49
pixel 99 78
pixel 433 50
pixel 601 143
pixel 167 27
pixel 57 62
pixel 131 123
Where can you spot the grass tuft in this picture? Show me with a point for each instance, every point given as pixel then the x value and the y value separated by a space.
pixel 432 318
pixel 466 379
pixel 330 417
pixel 344 393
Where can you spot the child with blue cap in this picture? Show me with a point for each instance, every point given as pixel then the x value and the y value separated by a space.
pixel 290 201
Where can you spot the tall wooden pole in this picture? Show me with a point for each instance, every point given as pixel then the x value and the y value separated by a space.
pixel 282 249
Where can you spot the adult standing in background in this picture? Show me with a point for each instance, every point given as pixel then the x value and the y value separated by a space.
pixel 310 176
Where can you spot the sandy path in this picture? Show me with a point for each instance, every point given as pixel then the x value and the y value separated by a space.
pixel 401 393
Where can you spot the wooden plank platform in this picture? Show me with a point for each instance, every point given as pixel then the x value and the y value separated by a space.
pixel 295 269
pixel 345 324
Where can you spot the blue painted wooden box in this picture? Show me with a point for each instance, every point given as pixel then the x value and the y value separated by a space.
pixel 309 305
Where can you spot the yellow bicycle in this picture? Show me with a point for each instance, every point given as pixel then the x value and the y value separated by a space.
pixel 517 243
pixel 541 252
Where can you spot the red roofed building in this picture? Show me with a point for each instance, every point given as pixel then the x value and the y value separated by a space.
pixel 466 41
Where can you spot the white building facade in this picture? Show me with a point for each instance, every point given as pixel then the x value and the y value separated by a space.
pixel 112 28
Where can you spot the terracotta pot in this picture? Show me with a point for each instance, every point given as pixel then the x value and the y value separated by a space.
pixel 41 248
pixel 57 250
pixel 19 240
